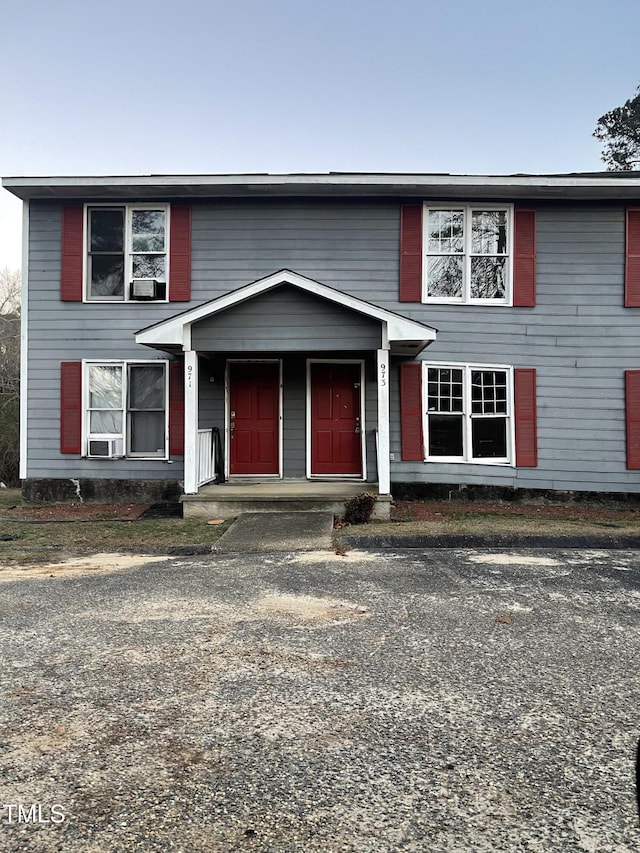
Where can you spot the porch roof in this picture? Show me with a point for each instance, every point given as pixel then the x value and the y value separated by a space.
pixel 401 335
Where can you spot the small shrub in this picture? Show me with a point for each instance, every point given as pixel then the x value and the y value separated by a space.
pixel 358 509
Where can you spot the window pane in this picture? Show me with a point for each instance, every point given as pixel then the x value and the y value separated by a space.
pixel 107 229
pixel 146 386
pixel 106 275
pixel 489 232
pixel 489 438
pixel 487 278
pixel 105 387
pixel 444 276
pixel 149 266
pixel 444 390
pixel 445 435
pixel 488 392
pixel 105 423
pixel 147 230
pixel 445 231
pixel 146 433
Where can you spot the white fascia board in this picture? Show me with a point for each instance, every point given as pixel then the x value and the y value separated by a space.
pixel 171 331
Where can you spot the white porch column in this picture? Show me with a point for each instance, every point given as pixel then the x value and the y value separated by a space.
pixel 190 422
pixel 384 468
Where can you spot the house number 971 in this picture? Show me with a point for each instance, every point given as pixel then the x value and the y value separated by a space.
pixel 189 375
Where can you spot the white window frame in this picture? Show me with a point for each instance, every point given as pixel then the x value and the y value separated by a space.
pixel 465 298
pixel 124 436
pixel 467 417
pixel 129 208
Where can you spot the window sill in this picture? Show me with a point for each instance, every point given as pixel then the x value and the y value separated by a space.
pixel 497 463
pixel 484 303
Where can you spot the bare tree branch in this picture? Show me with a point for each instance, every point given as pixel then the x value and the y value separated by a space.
pixel 9 375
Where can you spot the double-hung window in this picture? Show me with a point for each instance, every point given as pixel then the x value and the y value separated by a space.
pixel 468 253
pixel 127 252
pixel 468 413
pixel 126 409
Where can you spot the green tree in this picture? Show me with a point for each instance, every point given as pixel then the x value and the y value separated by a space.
pixel 619 130
pixel 9 376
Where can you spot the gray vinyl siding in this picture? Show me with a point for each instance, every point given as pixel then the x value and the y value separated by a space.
pixel 579 337
pixel 72 331
pixel 289 320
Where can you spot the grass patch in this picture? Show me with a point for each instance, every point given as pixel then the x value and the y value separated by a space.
pixel 36 540
pixel 443 518
pixel 10 497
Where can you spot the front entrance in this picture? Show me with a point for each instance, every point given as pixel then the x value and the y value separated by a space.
pixel 254 418
pixel 336 419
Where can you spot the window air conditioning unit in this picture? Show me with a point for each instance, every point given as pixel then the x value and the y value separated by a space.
pixel 104 448
pixel 145 288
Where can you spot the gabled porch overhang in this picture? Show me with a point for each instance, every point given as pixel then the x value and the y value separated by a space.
pixel 396 335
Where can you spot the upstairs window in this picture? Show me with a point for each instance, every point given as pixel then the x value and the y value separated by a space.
pixel 127 253
pixel 467 254
pixel 468 416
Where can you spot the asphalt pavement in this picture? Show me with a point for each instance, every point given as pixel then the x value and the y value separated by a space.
pixel 423 700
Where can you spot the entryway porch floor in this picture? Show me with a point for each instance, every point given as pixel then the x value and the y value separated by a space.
pixel 248 494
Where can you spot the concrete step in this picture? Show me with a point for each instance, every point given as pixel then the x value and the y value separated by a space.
pixel 232 499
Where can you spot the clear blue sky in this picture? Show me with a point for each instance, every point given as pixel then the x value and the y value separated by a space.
pixel 494 87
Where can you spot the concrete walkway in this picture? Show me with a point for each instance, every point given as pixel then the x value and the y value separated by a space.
pixel 278 531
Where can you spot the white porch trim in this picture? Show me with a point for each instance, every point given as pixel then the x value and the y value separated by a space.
pixel 405 337
pixel 191 422
pixel 383 448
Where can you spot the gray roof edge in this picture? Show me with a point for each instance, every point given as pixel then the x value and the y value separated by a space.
pixel 578 185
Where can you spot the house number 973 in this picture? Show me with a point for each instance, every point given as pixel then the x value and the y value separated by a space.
pixel 383 375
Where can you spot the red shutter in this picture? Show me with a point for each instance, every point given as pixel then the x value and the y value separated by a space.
pixel 71 407
pixel 524 258
pixel 632 392
pixel 180 254
pixel 72 254
pixel 176 408
pixel 411 253
pixel 632 266
pixel 411 412
pixel 525 418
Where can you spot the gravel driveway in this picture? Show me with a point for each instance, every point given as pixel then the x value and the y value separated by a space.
pixel 414 701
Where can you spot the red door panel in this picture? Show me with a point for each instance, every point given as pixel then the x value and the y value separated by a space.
pixel 336 437
pixel 254 401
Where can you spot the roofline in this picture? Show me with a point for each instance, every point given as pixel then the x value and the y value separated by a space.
pixel 572 185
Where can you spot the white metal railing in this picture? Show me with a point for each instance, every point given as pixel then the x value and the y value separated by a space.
pixel 205 457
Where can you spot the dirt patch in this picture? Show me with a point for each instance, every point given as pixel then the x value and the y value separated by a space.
pixel 307 608
pixel 75 512
pixel 98 563
pixel 514 560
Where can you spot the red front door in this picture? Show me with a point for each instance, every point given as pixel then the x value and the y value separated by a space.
pixel 254 418
pixel 336 436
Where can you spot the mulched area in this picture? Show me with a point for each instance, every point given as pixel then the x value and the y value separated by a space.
pixel 77 512
pixel 443 510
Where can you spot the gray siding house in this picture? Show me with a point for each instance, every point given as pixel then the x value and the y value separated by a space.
pixel 432 332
